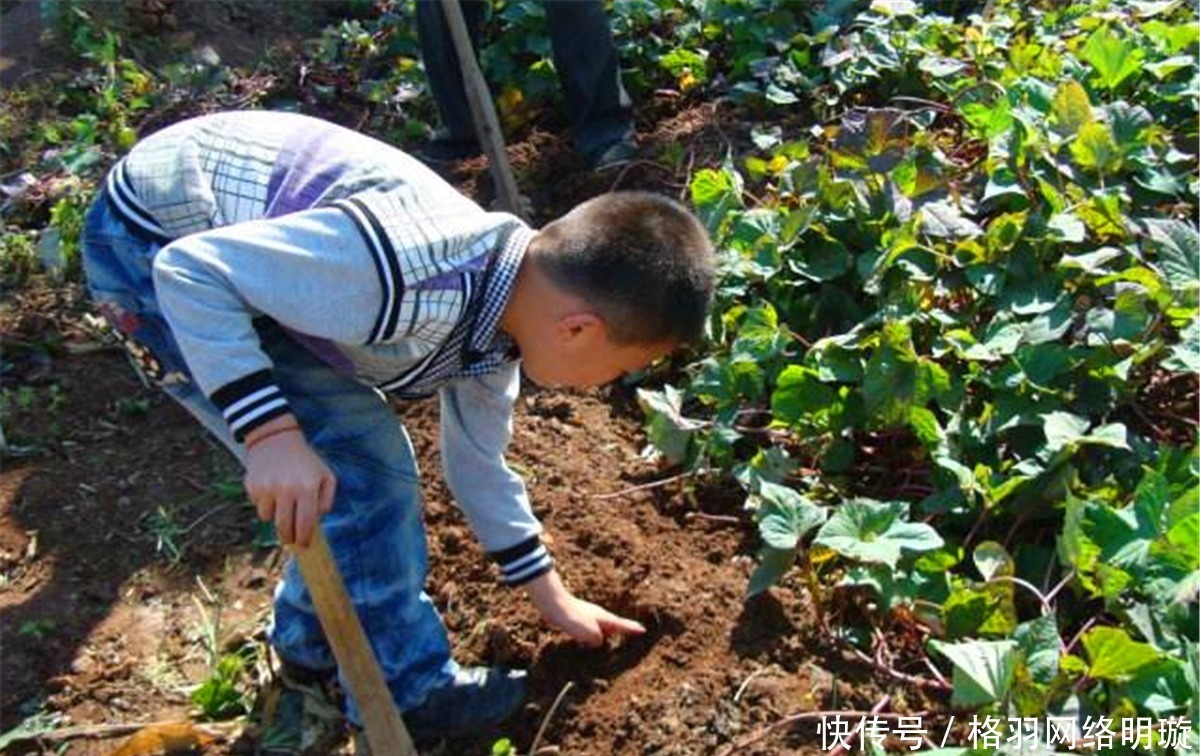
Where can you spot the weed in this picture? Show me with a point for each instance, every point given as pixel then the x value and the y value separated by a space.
pixel 18 258
pixel 168 533
pixel 132 406
pixel 221 695
pixel 37 628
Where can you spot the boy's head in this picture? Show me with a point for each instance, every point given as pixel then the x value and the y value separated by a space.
pixel 618 282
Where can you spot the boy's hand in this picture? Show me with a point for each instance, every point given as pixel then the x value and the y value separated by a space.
pixel 287 481
pixel 584 621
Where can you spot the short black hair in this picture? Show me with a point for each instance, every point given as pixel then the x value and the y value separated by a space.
pixel 642 260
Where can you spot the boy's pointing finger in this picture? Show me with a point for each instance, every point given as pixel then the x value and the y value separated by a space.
pixel 612 624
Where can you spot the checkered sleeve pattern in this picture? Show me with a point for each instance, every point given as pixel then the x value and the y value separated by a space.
pixel 196 176
pixel 425 258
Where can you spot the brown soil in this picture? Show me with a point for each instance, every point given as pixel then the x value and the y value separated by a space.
pixel 103 625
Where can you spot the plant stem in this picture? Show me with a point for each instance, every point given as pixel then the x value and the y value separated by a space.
pixel 1047 607
pixel 651 485
pixel 533 749
pixel 896 674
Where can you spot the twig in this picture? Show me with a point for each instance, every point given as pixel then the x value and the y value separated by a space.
pixel 649 486
pixel 533 749
pixel 625 169
pixel 1017 523
pixel 714 518
pixel 746 683
pixel 983 513
pixel 875 711
pixel 930 104
pixel 203 517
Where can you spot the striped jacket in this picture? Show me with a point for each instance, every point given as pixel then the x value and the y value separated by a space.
pixel 371 261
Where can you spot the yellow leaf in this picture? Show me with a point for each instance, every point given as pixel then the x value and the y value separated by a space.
pixel 1071 108
pixel 164 740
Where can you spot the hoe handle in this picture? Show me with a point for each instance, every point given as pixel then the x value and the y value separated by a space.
pixel 385 730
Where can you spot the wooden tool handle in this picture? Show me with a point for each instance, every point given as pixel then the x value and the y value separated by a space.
pixel 385 730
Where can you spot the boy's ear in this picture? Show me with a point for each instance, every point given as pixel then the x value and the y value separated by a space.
pixel 579 328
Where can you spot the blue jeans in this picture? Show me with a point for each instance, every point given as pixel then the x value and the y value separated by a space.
pixel 376 530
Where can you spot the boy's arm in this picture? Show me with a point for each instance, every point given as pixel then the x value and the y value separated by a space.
pixel 309 271
pixel 476 425
pixel 476 420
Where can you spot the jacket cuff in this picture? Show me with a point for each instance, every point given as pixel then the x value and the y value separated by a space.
pixel 523 562
pixel 249 402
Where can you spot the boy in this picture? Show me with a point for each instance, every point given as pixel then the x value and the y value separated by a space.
pixel 276 274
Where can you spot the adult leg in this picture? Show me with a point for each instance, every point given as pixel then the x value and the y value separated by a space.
pixel 442 67
pixel 587 63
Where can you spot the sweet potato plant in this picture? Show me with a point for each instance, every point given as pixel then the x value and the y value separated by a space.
pixel 954 362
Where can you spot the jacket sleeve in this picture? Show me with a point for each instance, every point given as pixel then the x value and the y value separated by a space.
pixel 309 271
pixel 476 425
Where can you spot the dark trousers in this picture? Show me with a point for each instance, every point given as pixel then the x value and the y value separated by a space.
pixel 584 55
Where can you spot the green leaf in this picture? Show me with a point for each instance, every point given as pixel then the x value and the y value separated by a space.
pixel 1115 58
pixel 1163 69
pixel 983 670
pixel 1067 227
pixel 1092 263
pixel 681 60
pixel 667 428
pixel 890 377
pixel 992 559
pixel 1114 656
pixel 926 427
pixel 1177 248
pixel 876 532
pixel 773 564
pixel 799 393
pixel 986 609
pixel 943 219
pixel 1094 149
pixel 715 193
pixel 939 67
pixel 1071 109
pixel 1161 688
pixel 1063 429
pixel 820 259
pixel 1042 646
pixel 785 516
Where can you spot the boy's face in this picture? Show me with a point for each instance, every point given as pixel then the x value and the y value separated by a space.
pixel 585 359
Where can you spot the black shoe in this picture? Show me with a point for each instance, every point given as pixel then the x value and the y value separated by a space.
pixel 444 152
pixel 613 155
pixel 476 699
